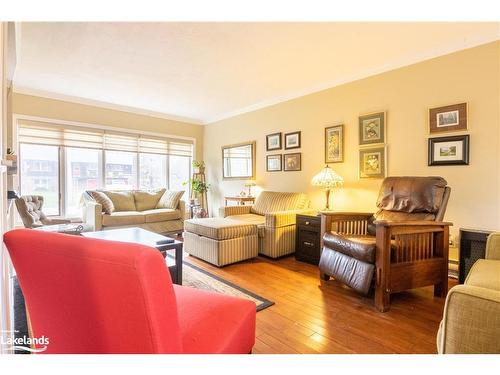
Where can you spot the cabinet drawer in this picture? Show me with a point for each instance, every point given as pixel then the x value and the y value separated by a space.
pixel 309 221
pixel 308 246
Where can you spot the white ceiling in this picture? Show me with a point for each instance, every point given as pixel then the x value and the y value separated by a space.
pixel 202 72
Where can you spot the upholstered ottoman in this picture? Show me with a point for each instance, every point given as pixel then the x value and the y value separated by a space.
pixel 220 241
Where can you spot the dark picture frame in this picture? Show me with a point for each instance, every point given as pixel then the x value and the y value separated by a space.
pixel 372 128
pixel 289 136
pixel 274 157
pixel 292 162
pixel 451 150
pixel 334 144
pixel 450 118
pixel 273 142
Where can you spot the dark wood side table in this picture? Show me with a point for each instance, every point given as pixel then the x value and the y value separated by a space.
pixel 240 200
pixel 307 244
pixel 472 248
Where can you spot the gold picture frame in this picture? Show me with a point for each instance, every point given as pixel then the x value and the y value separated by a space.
pixel 373 162
pixel 372 128
pixel 334 144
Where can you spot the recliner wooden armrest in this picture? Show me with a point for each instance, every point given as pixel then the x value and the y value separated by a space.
pixel 414 223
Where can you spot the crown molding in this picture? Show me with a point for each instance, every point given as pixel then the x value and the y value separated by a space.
pixel 96 103
pixel 401 63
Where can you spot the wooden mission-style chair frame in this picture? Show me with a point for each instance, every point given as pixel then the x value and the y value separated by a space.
pixel 409 254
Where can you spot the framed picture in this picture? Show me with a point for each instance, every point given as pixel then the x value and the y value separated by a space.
pixel 273 163
pixel 292 140
pixel 334 144
pixel 452 150
pixel 372 128
pixel 273 142
pixel 448 119
pixel 372 162
pixel 292 162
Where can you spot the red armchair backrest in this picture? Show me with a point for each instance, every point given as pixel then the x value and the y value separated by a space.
pixel 93 296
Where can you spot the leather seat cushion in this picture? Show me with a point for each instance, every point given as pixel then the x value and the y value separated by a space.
pixel 123 218
pixel 356 246
pixel 348 270
pixel 161 214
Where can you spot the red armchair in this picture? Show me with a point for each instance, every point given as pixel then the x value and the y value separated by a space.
pixel 93 296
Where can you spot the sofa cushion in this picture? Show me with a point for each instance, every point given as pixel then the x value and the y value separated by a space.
pixel 147 200
pixel 219 228
pixel 485 273
pixel 101 198
pixel 161 214
pixel 271 201
pixel 123 218
pixel 122 200
pixel 248 219
pixel 170 199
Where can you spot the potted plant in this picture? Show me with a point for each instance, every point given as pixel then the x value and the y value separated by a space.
pixel 199 166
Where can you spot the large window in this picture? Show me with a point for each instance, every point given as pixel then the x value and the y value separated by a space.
pixel 153 171
pixel 60 163
pixel 120 170
pixel 40 174
pixel 82 173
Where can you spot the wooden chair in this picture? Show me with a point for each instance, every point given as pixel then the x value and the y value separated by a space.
pixel 403 246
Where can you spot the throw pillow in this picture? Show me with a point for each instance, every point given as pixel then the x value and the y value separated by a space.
pixel 170 199
pixel 147 200
pixel 103 200
pixel 122 200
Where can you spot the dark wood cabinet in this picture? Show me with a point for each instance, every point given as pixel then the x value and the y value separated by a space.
pixel 472 248
pixel 307 244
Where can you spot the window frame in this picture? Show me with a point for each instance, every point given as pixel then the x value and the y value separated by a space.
pixel 62 155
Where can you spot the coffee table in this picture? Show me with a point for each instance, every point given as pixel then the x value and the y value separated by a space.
pixel 145 237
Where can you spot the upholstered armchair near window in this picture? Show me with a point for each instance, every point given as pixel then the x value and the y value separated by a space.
pixel 403 246
pixel 30 210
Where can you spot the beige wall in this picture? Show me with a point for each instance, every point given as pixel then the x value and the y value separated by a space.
pixel 57 109
pixel 470 75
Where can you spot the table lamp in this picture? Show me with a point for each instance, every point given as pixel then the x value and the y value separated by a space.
pixel 249 185
pixel 327 179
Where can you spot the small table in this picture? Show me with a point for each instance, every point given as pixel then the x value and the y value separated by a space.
pixel 145 237
pixel 308 248
pixel 240 200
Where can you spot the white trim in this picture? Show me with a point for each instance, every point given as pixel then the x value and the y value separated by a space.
pixel 403 62
pixel 97 103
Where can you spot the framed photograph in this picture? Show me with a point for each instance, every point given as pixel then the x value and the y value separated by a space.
pixel 292 140
pixel 292 162
pixel 372 162
pixel 334 144
pixel 273 142
pixel 448 119
pixel 273 163
pixel 452 150
pixel 372 128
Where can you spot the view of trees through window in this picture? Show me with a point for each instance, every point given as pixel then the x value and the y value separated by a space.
pixel 87 169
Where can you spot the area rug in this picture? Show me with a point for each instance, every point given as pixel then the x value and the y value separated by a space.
pixel 196 277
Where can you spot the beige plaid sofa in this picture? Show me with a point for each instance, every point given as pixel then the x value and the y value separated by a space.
pixel 243 232
pixel 471 318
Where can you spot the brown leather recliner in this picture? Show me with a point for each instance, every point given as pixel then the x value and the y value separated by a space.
pixel 404 245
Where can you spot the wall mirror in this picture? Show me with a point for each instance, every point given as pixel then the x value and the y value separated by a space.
pixel 238 161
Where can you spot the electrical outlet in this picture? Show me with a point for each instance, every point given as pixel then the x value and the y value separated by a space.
pixel 452 241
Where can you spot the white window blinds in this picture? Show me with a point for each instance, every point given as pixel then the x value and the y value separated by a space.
pixel 42 133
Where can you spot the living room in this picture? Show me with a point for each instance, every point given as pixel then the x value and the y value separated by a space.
pixel 274 187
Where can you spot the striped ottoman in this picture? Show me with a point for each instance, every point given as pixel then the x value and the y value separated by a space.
pixel 220 241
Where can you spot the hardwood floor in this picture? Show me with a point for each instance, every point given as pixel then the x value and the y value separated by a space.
pixel 316 316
